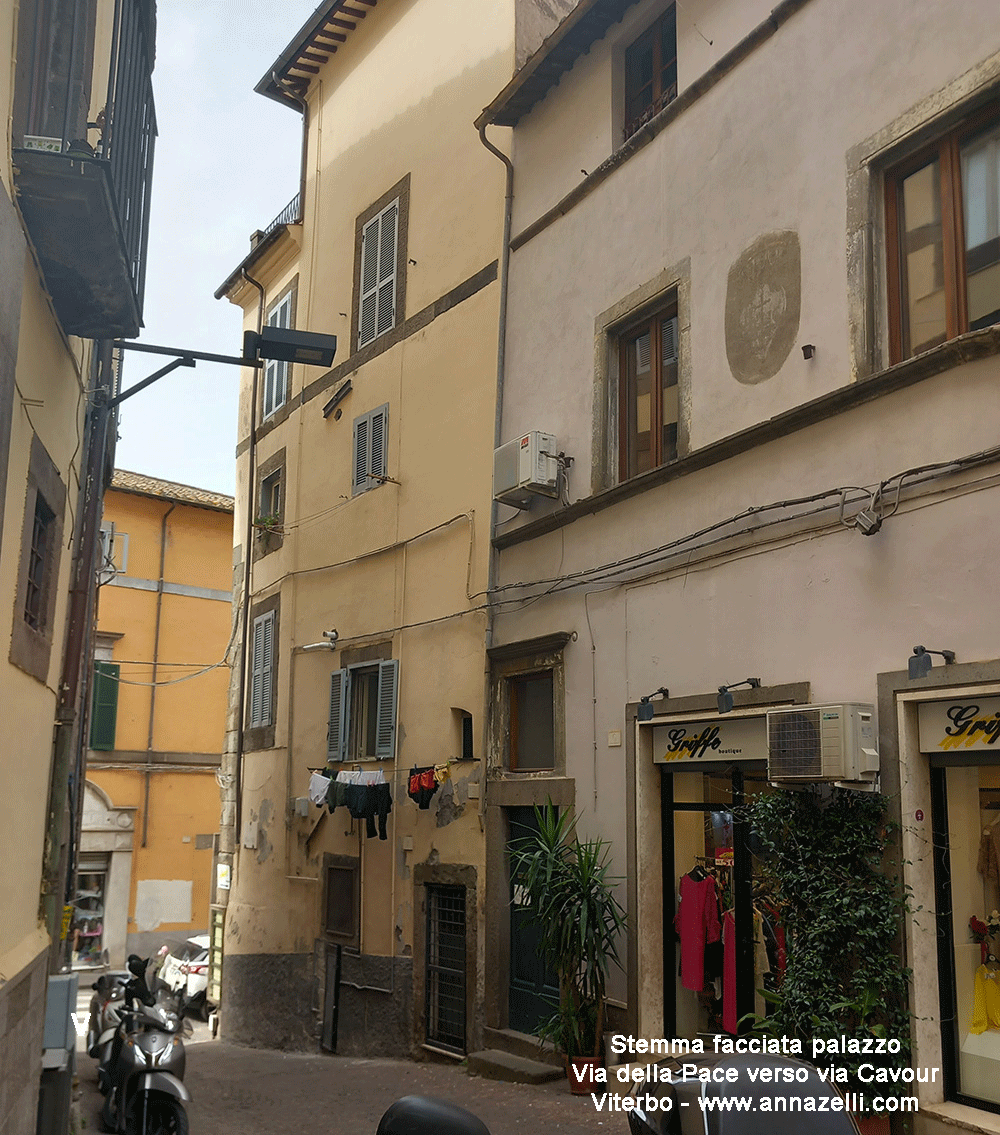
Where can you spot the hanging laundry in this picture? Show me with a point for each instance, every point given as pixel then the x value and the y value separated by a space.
pixel 442 773
pixel 697 923
pixel 421 786
pixel 318 787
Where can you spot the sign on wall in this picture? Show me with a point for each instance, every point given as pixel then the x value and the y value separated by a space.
pixel 960 724
pixel 719 739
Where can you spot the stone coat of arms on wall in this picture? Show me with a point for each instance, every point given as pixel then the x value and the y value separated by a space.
pixel 763 300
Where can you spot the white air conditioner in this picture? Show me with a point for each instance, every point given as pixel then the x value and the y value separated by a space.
pixel 810 744
pixel 525 467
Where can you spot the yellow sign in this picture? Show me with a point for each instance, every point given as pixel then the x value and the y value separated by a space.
pixel 959 724
pixel 67 919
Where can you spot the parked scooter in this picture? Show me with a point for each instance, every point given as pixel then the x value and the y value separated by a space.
pixel 145 1072
pixel 105 1013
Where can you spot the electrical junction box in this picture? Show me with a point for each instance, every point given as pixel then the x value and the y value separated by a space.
pixel 813 744
pixel 524 468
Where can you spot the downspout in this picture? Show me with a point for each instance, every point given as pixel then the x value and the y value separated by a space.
pixel 156 665
pixel 247 562
pixel 494 555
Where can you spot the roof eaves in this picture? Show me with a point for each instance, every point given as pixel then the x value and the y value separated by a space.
pixel 249 260
pixel 328 26
pixel 588 22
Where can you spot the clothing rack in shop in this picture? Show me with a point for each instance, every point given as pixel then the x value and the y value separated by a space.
pixel 709 861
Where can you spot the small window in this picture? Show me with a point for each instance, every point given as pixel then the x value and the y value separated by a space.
pixel 276 371
pixel 943 232
pixel 532 727
pixel 39 565
pixel 651 71
pixel 261 670
pixel 270 498
pixel 377 306
pixel 369 450
pixel 104 706
pixel 649 409
pixel 363 706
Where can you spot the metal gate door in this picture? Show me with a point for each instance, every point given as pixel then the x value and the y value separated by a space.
pixel 446 967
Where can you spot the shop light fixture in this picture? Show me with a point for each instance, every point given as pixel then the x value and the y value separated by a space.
pixel 919 665
pixel 725 699
pixel 644 712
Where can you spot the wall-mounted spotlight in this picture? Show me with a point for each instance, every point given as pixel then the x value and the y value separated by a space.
pixel 330 643
pixel 332 636
pixel 644 712
pixel 919 665
pixel 725 700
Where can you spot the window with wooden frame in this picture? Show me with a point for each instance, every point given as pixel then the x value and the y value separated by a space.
pixel 651 71
pixel 277 371
pixel 532 722
pixel 262 670
pixel 647 387
pixel 342 900
pixel 363 709
pixel 377 307
pixel 369 450
pixel 40 556
pixel 943 238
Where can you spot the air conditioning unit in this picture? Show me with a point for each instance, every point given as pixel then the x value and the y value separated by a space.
pixel 525 467
pixel 811 744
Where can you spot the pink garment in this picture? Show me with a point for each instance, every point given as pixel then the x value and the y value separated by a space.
pixel 697 923
pixel 729 1018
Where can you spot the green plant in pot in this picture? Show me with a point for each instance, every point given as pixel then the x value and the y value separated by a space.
pixel 571 894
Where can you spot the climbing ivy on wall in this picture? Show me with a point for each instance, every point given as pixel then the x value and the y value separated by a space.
pixel 829 857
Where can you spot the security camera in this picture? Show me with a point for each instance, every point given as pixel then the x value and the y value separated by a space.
pixel 332 636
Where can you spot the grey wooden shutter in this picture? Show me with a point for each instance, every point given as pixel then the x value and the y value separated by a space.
pixel 387 269
pixel 388 695
pixel 359 478
pixel 669 340
pixel 367 314
pixel 376 442
pixel 336 734
pixel 104 707
pixel 261 665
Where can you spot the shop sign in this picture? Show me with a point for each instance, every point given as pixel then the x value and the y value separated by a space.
pixel 719 739
pixel 963 723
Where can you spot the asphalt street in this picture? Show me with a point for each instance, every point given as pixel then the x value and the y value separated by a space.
pixel 244 1091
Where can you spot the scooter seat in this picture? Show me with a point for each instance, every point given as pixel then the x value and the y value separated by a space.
pixel 423 1115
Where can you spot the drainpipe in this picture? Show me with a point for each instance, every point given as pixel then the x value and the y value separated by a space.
pixel 305 141
pixel 156 664
pixel 247 564
pixel 494 556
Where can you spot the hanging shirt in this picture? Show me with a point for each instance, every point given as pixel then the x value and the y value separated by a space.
pixel 318 785
pixel 697 923
pixel 986 1000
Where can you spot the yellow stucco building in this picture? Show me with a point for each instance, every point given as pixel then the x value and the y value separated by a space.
pixel 363 510
pixel 151 807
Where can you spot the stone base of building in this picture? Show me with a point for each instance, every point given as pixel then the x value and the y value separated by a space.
pixel 22 1026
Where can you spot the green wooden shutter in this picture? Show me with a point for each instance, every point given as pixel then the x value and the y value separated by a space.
pixel 388 694
pixel 104 705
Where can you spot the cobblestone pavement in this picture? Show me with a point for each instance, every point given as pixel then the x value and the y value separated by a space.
pixel 243 1091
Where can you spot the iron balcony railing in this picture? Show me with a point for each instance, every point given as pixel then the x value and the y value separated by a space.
pixel 290 215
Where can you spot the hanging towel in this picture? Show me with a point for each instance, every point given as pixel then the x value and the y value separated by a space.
pixel 318 786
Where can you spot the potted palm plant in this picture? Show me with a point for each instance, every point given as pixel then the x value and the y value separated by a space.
pixel 570 893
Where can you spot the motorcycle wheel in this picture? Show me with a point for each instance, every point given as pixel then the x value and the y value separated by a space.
pixel 164 1116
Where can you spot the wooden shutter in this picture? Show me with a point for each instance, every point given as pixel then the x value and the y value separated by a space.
pixel 669 333
pixel 388 694
pixel 261 670
pixel 336 734
pixel 104 705
pixel 379 244
pixel 359 478
pixel 376 442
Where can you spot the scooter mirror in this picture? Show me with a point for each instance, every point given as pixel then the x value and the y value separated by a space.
pixel 422 1115
pixel 137 965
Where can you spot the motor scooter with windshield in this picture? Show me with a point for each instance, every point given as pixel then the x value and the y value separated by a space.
pixel 144 1075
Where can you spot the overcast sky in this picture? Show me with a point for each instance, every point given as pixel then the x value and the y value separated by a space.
pixel 226 163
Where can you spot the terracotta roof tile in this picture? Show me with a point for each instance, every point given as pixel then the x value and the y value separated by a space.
pixel 127 482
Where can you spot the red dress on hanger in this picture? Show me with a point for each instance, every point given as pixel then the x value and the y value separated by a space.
pixel 697 923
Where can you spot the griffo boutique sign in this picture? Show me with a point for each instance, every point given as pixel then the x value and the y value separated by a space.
pixel 720 739
pixel 960 724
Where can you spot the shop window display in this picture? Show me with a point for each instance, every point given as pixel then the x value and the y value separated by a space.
pixel 88 921
pixel 973 815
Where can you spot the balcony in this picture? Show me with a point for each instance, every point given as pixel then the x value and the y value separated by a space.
pixel 83 187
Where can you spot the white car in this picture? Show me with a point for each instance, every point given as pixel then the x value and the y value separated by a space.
pixel 185 968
